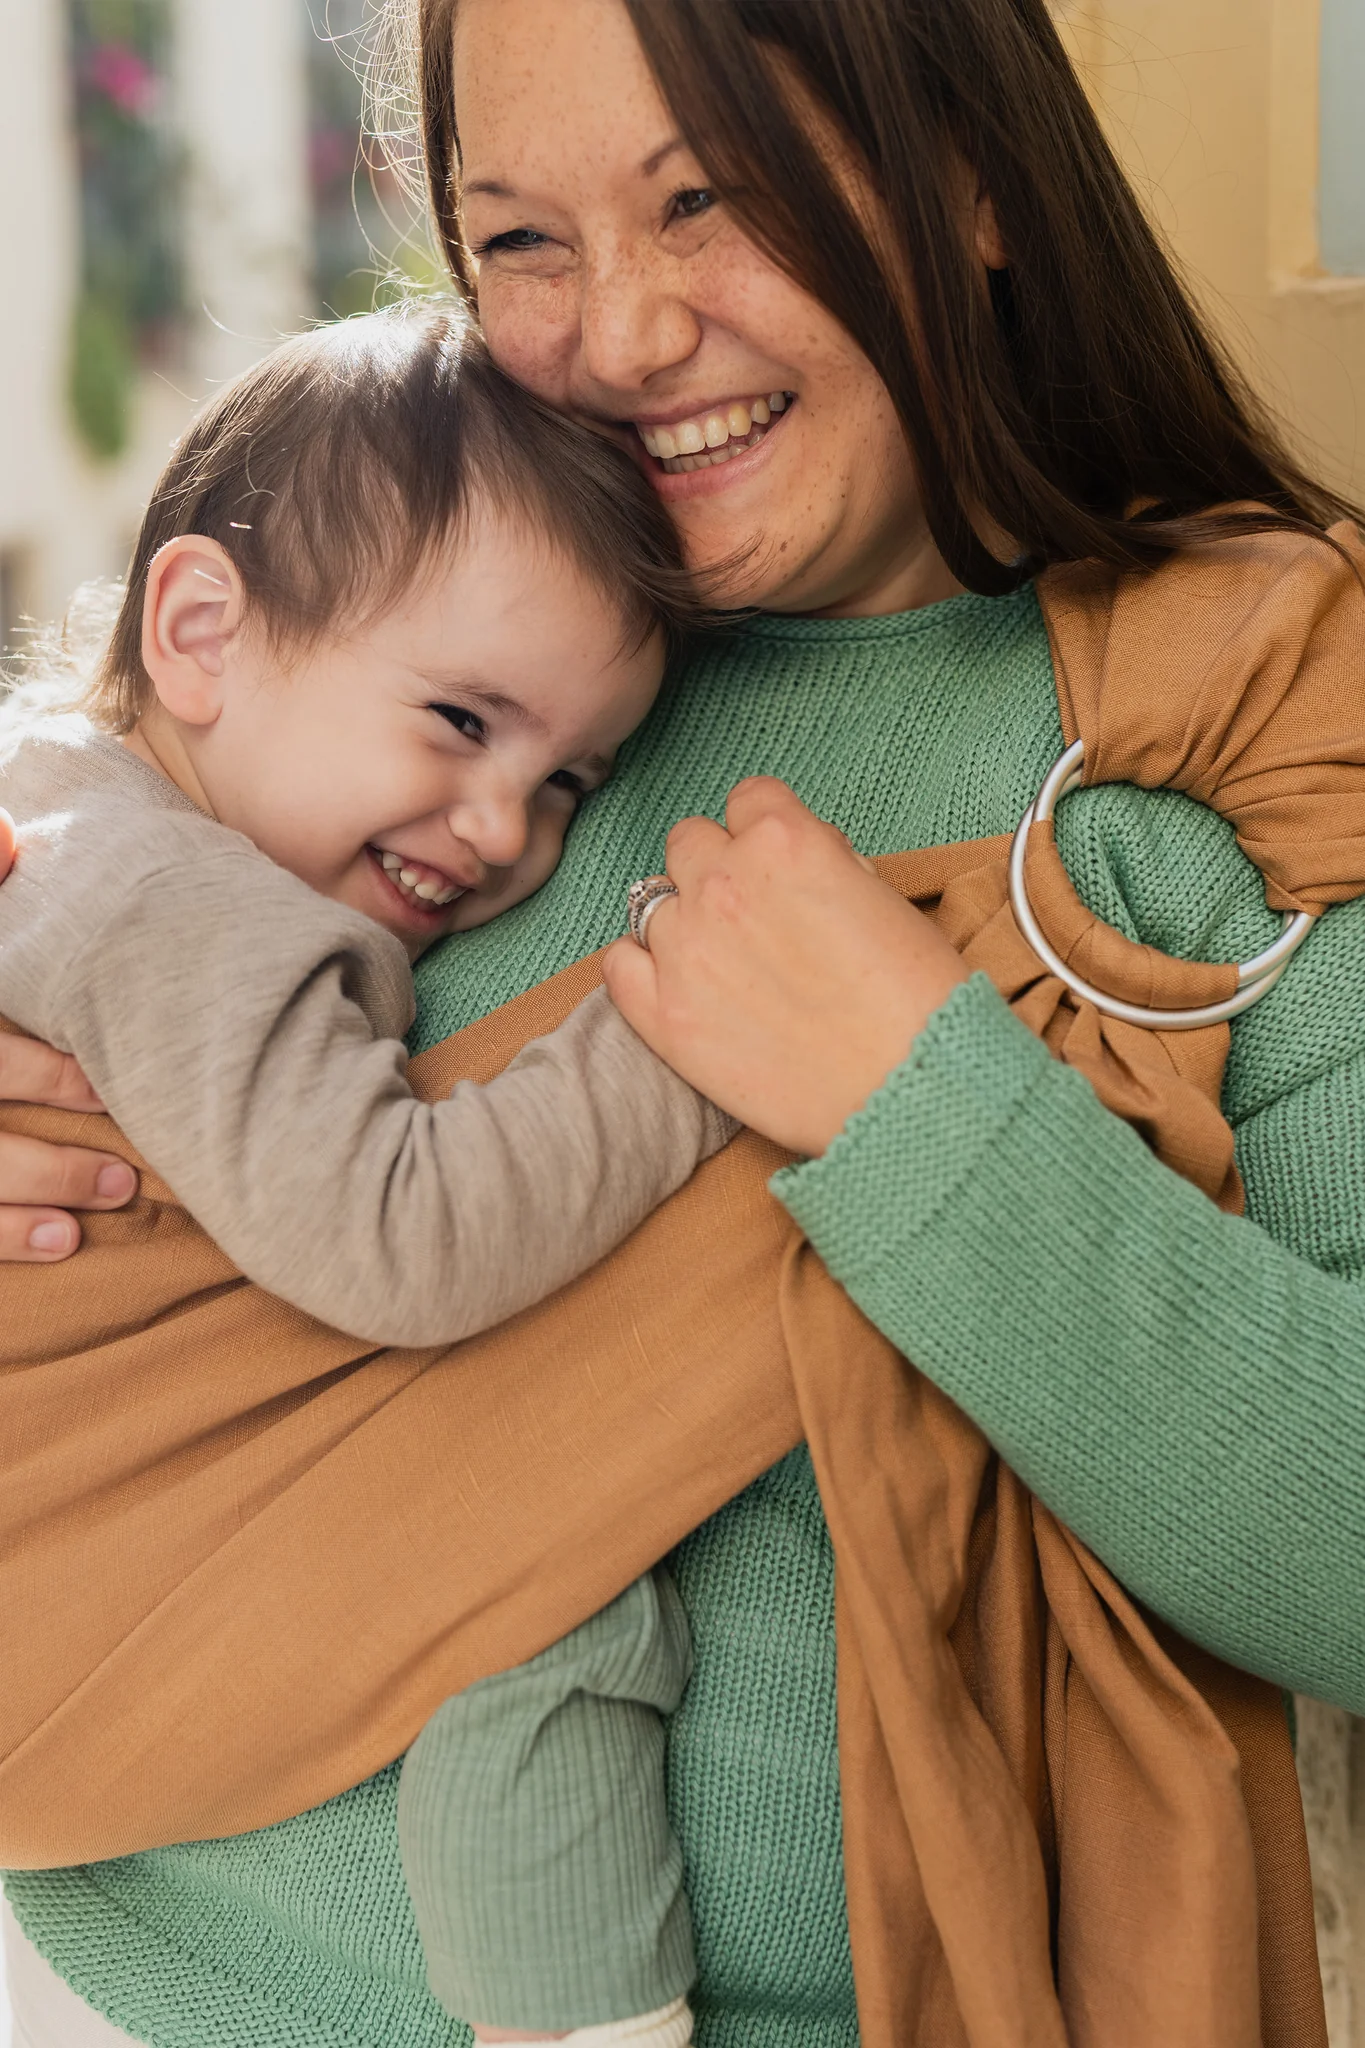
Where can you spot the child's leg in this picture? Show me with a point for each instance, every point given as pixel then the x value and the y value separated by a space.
pixel 546 1880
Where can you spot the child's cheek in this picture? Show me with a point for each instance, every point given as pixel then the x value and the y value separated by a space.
pixel 549 825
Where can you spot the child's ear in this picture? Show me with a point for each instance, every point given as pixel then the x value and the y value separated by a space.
pixel 191 614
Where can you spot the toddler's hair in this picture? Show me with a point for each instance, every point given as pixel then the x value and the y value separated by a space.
pixel 336 470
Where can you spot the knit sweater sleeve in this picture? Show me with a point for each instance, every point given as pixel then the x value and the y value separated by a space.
pixel 1186 1389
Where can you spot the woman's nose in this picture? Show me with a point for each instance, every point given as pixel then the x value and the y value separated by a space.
pixel 634 321
pixel 495 828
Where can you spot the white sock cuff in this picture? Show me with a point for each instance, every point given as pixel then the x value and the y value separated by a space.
pixel 670 2027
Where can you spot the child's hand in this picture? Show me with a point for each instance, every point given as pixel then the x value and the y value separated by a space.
pixel 786 980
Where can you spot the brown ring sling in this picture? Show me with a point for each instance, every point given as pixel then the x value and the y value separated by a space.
pixel 242 1558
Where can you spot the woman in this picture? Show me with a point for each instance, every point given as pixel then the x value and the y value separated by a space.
pixel 930 382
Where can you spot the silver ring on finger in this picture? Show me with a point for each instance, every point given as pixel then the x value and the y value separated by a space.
pixel 642 900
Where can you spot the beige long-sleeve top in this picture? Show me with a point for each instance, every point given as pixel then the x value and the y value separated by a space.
pixel 246 1033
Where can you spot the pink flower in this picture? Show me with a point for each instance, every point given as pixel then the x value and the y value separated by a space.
pixel 125 79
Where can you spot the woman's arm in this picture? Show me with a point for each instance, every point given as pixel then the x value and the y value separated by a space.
pixel 41 1184
pixel 1187 1392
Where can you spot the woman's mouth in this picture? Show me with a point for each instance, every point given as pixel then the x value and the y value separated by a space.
pixel 421 887
pixel 709 439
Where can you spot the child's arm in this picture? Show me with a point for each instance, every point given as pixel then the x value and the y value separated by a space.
pixel 245 1034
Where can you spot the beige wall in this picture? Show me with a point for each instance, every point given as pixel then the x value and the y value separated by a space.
pixel 1213 107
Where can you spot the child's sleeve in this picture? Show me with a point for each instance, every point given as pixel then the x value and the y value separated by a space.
pixel 245 1034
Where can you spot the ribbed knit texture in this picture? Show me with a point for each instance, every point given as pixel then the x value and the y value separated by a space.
pixel 545 1878
pixel 1188 1398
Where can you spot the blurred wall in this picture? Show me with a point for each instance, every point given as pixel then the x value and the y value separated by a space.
pixel 241 106
pixel 1218 111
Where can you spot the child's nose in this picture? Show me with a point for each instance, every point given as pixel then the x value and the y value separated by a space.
pixel 497 828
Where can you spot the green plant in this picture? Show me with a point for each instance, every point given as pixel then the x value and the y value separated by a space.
pixel 130 297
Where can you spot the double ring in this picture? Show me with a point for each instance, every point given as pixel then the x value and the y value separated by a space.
pixel 1255 978
pixel 642 900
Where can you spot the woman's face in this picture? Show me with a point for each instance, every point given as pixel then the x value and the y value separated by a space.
pixel 611 283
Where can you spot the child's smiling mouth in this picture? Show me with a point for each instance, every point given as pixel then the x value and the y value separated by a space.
pixel 417 885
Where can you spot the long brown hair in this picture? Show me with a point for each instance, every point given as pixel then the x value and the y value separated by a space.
pixel 1076 402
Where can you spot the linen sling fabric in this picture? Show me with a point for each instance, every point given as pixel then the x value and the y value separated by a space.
pixel 1164 1079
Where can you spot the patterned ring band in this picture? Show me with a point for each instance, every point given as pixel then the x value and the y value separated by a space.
pixel 642 900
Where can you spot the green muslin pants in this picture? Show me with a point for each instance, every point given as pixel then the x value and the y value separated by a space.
pixel 546 1880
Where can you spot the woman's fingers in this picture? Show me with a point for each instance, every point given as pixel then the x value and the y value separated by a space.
pixel 33 1072
pixel 39 1182
pixel 761 797
pixel 7 843
pixel 629 972
pixel 37 1237
pixel 786 981
pixel 35 1174
pixel 694 846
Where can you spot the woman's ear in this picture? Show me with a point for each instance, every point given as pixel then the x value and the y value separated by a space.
pixel 191 614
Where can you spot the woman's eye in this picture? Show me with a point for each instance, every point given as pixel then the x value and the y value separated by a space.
pixel 517 241
pixel 691 201
pixel 466 722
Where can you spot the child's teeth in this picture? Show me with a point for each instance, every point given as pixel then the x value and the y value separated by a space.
pixel 392 862
pixel 446 896
pixel 409 877
pixel 428 891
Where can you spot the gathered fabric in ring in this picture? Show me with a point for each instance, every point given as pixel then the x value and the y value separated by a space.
pixel 642 900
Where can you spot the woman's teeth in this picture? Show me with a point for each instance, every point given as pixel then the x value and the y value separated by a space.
pixel 419 885
pixel 713 437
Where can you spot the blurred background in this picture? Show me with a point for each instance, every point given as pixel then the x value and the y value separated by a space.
pixel 182 181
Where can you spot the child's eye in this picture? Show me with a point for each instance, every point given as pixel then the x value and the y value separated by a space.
pixel 467 722
pixel 564 778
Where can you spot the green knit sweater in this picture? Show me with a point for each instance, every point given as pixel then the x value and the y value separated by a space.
pixel 1186 1389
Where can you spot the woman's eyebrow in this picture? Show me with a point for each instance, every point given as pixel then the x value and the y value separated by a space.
pixel 497 188
pixel 659 157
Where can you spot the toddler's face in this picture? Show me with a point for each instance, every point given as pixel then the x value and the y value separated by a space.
pixel 425 769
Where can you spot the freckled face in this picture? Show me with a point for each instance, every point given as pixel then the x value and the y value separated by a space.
pixel 615 285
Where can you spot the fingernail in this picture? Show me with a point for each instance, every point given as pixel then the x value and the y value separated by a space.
pixel 51 1237
pixel 115 1183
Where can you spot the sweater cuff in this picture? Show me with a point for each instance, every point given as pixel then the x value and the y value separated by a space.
pixel 930 1128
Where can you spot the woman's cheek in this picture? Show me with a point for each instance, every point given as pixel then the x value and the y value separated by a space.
pixel 530 325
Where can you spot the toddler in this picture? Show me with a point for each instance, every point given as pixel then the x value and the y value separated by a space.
pixel 387 622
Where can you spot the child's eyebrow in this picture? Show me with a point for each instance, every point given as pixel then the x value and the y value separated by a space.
pixel 459 690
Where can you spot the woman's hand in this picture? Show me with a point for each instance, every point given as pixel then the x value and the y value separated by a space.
pixel 785 980
pixel 40 1183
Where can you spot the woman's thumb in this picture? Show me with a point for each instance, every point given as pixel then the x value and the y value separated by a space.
pixel 7 844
